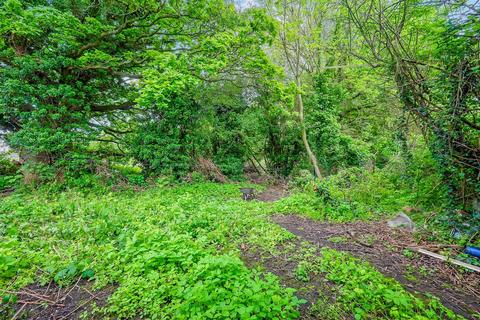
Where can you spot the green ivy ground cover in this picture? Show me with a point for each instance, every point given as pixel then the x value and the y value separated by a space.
pixel 172 253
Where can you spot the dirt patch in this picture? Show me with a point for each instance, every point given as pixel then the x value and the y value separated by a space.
pixel 379 245
pixel 273 193
pixel 276 187
pixel 51 302
pixel 283 265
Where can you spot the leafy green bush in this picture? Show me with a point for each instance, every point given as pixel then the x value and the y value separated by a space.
pixel 379 191
pixel 231 166
pixel 7 167
pixel 9 181
pixel 333 148
pixel 8 173
pixel 301 180
pixel 161 149
pixel 360 193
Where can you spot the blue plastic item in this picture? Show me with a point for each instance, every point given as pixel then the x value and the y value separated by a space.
pixel 473 251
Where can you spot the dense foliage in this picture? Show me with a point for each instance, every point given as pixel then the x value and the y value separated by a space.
pixel 173 253
pixel 279 86
pixel 432 53
pixel 364 108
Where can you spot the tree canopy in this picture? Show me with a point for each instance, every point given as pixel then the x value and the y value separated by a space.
pixel 278 87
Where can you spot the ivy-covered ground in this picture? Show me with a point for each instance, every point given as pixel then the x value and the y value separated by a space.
pixel 179 253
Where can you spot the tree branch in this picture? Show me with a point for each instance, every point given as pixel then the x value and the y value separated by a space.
pixel 110 107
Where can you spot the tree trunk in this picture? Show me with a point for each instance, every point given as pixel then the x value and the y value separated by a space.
pixel 311 155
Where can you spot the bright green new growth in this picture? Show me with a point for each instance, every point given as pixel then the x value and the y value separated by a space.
pixel 171 251
pixel 364 115
pixel 369 294
pixel 281 87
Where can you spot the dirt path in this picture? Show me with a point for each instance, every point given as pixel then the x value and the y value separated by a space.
pixel 276 188
pixel 283 264
pixel 273 193
pixel 377 244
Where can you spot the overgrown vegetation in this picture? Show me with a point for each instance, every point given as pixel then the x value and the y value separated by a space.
pixel 366 293
pixel 172 252
pixel 279 87
pixel 8 174
pixel 356 193
pixel 365 109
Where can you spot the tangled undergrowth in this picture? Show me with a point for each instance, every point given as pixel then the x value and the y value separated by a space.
pixel 173 252
pixel 357 194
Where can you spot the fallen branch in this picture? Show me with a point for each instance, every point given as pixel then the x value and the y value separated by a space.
pixel 438 246
pixel 73 287
pixel 18 312
pixel 40 303
pixel 39 297
pixel 88 291
pixel 447 259
pixel 33 293
pixel 48 288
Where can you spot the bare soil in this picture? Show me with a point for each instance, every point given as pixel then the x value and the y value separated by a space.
pixel 383 247
pixel 273 193
pixel 276 187
pixel 283 266
pixel 55 303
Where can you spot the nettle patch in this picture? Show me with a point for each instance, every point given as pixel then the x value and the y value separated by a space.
pixel 171 251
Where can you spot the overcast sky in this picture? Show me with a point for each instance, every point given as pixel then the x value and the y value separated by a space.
pixel 242 4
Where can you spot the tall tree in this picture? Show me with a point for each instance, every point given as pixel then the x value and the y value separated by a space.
pixel 172 93
pixel 65 62
pixel 303 28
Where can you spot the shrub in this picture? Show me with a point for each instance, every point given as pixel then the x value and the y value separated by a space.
pixel 7 167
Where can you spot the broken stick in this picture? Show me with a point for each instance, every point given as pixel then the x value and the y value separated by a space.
pixel 444 258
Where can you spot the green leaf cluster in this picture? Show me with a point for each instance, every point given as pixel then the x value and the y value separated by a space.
pixel 171 252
